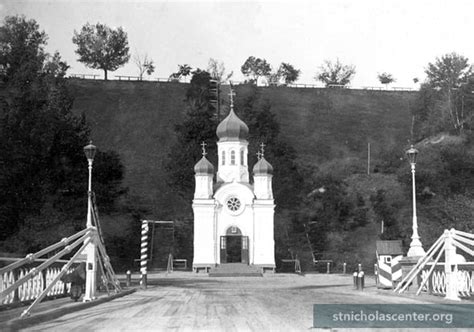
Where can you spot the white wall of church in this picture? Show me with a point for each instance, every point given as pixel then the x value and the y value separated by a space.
pixel 264 245
pixel 243 218
pixel 204 232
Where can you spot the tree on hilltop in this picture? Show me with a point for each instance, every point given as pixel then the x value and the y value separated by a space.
pixel 255 68
pixel 144 64
pixel 386 78
pixel 101 47
pixel 449 71
pixel 335 73
pixel 183 71
pixel 286 74
pixel 217 71
pixel 289 73
pixel 444 102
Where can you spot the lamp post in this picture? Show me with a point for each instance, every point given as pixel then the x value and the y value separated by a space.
pixel 416 249
pixel 91 250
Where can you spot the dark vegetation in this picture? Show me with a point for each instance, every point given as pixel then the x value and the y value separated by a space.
pixel 43 171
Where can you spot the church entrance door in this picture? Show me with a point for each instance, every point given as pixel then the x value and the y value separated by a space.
pixel 234 248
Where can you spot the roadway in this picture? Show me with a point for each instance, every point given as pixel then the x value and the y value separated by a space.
pixel 186 302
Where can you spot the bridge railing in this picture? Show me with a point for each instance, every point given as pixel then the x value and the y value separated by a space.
pixel 436 283
pixel 32 288
pixel 21 280
pixel 454 277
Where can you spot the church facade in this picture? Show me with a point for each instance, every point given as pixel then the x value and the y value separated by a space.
pixel 233 218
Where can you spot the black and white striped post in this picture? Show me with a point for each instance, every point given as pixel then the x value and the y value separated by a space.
pixel 144 254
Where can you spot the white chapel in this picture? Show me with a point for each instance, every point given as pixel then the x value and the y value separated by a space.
pixel 233 218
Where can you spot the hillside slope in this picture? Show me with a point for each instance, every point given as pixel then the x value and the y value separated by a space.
pixel 137 120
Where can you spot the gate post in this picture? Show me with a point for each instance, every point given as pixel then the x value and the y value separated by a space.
pixel 450 267
pixel 144 254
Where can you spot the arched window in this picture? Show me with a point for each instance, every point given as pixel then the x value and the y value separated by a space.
pixel 242 157
pixel 232 157
pixel 223 157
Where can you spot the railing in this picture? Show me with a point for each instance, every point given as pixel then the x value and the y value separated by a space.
pixel 456 279
pixel 128 78
pixel 132 78
pixel 124 78
pixel 22 280
pixel 32 288
pixel 84 76
pixel 436 284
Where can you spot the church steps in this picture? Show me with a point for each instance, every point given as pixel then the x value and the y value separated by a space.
pixel 235 270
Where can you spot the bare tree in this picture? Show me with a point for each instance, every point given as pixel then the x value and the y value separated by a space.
pixel 144 64
pixel 217 71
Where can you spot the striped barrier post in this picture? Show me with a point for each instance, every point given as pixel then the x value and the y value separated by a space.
pixel 144 254
pixel 389 271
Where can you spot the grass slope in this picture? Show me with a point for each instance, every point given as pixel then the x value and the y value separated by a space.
pixel 137 120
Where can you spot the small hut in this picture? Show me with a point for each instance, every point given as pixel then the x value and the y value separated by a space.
pixel 389 270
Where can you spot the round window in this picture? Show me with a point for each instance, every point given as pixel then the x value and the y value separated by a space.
pixel 233 204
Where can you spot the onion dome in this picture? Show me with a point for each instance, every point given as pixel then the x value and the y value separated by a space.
pixel 204 167
pixel 262 167
pixel 232 128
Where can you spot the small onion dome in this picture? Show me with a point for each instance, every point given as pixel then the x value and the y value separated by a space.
pixel 232 128
pixel 203 167
pixel 262 167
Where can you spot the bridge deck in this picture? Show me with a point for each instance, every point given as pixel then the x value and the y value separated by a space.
pixel 183 302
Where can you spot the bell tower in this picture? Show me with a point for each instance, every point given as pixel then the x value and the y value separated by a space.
pixel 232 148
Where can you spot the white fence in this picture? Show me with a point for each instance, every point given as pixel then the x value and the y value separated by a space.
pixel 32 288
pixel 436 284
pixel 292 85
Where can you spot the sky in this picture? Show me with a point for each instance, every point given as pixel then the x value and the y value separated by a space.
pixel 399 37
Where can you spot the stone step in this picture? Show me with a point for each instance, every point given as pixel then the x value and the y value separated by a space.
pixel 235 270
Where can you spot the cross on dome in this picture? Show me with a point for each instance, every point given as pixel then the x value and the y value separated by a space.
pixel 204 153
pixel 231 94
pixel 262 149
pixel 259 155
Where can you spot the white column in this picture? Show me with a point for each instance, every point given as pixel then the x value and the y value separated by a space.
pixel 416 249
pixel 91 250
pixel 450 267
